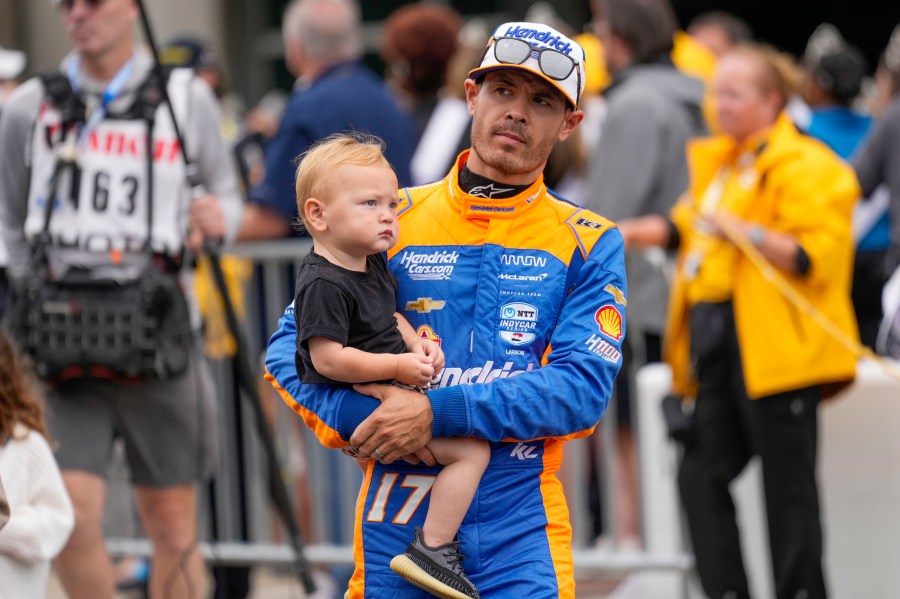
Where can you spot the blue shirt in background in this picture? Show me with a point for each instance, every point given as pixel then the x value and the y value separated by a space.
pixel 844 130
pixel 347 97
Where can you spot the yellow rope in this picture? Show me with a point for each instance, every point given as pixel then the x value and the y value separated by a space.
pixel 740 241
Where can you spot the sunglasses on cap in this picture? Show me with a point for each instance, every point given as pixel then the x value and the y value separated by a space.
pixel 67 5
pixel 553 63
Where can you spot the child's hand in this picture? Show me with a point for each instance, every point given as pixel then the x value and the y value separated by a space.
pixel 414 369
pixel 432 349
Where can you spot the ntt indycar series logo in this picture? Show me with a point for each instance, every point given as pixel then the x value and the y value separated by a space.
pixel 517 323
pixel 478 374
pixel 545 37
pixel 429 266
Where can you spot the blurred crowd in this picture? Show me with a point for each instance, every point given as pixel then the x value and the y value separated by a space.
pixel 708 148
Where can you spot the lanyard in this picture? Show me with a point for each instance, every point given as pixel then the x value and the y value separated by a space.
pixel 109 94
pixel 706 208
pixel 712 196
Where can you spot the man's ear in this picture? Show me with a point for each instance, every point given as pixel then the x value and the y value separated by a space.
pixel 472 89
pixel 293 56
pixel 314 215
pixel 570 123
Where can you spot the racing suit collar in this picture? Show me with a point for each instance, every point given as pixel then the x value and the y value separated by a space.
pixel 490 208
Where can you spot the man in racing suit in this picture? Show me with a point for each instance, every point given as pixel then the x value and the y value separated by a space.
pixel 525 292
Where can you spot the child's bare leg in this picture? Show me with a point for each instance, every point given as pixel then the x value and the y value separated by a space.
pixel 464 460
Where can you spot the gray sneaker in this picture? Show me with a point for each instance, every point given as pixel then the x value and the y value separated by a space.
pixel 435 569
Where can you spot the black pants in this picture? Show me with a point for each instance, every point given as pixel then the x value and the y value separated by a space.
pixel 868 280
pixel 731 428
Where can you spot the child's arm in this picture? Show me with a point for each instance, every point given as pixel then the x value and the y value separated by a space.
pixel 418 345
pixel 350 365
pixel 406 331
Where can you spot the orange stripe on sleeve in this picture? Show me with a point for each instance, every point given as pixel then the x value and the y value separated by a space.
pixel 326 435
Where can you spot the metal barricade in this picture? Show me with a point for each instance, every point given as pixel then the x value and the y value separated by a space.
pixel 327 482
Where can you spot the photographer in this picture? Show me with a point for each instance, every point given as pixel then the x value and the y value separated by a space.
pixel 122 211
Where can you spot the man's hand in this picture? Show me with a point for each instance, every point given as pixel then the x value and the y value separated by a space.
pixel 206 221
pixel 414 369
pixel 401 426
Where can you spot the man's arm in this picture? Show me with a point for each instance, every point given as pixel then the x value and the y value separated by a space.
pixel 564 398
pixel 319 405
pixel 653 230
pixel 332 412
pixel 568 395
pixel 273 202
pixel 873 158
pixel 219 213
pixel 19 114
pixel 260 222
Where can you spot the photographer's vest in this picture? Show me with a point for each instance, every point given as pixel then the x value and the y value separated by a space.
pixel 103 209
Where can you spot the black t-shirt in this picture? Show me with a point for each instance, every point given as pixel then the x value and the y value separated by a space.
pixel 356 309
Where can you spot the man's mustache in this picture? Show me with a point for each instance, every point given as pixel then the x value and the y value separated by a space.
pixel 514 129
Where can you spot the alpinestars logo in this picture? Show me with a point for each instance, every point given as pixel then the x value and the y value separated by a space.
pixel 488 191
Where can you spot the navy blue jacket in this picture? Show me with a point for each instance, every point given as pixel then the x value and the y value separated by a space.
pixel 346 97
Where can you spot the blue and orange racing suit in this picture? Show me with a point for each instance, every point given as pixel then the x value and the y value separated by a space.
pixel 527 298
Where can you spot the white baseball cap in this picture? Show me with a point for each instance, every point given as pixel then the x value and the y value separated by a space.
pixel 538 49
pixel 12 62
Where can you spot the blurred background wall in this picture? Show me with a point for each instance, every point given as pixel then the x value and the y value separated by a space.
pixel 247 34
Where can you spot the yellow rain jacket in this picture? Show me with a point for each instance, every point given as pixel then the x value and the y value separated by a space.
pixel 795 185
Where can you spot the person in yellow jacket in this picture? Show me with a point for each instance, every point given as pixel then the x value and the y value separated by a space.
pixel 756 363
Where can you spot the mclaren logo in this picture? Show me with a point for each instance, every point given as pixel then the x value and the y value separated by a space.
pixel 424 305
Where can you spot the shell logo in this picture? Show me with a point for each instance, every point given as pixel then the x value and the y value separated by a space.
pixel 610 322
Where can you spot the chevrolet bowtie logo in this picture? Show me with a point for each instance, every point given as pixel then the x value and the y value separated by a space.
pixel 617 294
pixel 424 305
